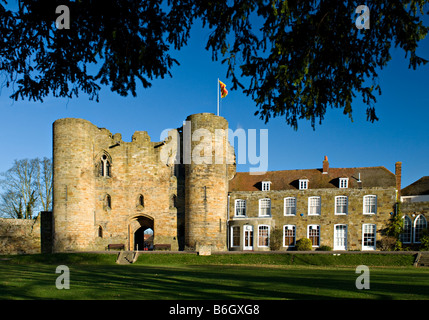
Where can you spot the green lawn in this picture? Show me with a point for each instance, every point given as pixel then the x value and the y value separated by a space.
pixel 183 276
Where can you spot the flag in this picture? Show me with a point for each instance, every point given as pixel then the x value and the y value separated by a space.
pixel 223 91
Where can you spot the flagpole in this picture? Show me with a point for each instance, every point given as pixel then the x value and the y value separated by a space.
pixel 217 96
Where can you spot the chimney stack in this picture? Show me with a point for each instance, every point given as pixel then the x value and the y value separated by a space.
pixel 325 165
pixel 398 175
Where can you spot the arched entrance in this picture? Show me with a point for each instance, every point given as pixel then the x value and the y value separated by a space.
pixel 141 233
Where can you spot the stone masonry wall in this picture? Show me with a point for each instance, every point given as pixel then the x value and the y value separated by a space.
pixel 326 220
pixel 18 236
pixel 83 217
pixel 206 183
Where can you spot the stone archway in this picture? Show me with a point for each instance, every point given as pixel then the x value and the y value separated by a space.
pixel 136 231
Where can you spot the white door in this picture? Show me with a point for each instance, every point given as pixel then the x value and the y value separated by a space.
pixel 368 237
pixel 340 237
pixel 248 237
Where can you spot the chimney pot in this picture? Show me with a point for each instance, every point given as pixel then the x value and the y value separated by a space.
pixel 398 176
pixel 325 165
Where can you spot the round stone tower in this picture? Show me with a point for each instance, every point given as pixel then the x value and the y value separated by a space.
pixel 73 185
pixel 205 150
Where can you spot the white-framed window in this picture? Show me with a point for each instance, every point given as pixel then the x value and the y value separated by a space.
pixel 290 206
pixel 265 207
pixel 340 237
pixel 263 236
pixel 235 236
pixel 344 183
pixel 240 208
pixel 370 204
pixel 341 205
pixel 368 236
pixel 303 184
pixel 247 237
pixel 407 230
pixel 266 185
pixel 289 235
pixel 313 233
pixel 419 225
pixel 314 206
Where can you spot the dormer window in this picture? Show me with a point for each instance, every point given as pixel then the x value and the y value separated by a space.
pixel 344 183
pixel 303 184
pixel 266 185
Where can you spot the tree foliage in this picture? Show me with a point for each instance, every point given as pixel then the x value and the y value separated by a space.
pixel 27 188
pixel 393 230
pixel 294 58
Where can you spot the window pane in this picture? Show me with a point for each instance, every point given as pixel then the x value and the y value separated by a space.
pixel 264 207
pixel 420 225
pixel 290 206
pixel 236 236
pixel 263 236
pixel 406 235
pixel 289 234
pixel 240 207
pixel 313 235
pixel 369 235
pixel 370 204
pixel 341 205
pixel 314 205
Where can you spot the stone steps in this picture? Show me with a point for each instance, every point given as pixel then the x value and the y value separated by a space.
pixel 126 257
pixel 422 259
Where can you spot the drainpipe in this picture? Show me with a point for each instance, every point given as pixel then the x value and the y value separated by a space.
pixel 227 223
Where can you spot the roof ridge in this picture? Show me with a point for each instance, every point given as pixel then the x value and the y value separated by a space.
pixel 318 169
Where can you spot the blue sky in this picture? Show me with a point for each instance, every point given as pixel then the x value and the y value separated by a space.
pixel 401 134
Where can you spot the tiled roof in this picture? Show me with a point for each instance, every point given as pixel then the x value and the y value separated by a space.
pixel 418 188
pixel 289 179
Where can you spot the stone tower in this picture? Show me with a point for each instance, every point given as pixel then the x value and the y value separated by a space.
pixel 208 168
pixel 73 187
pixel 109 192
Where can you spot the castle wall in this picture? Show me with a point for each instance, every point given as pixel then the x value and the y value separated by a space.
pixel 18 236
pixel 94 205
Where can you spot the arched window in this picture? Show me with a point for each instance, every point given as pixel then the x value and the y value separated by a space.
pixel 173 203
pixel 100 232
pixel 108 202
pixel 140 201
pixel 105 166
pixel 407 232
pixel 419 225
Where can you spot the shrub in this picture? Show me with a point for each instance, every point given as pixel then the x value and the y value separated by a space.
pixel 324 248
pixel 304 244
pixel 424 240
pixel 387 243
pixel 276 239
